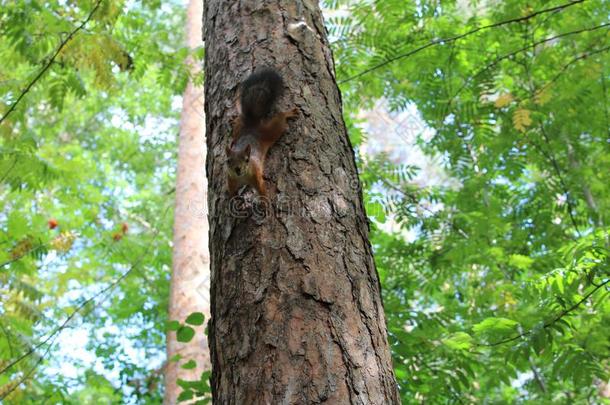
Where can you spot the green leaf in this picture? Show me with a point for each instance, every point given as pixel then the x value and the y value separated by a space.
pixel 189 365
pixel 196 318
pixel 459 341
pixel 376 210
pixel 185 396
pixel 185 334
pixel 198 385
pixel 401 372
pixel 184 384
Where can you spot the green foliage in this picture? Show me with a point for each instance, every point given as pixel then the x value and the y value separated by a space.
pixel 499 294
pixel 87 159
pixel 198 389
pixel 185 333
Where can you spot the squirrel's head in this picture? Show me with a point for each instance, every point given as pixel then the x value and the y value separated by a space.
pixel 238 160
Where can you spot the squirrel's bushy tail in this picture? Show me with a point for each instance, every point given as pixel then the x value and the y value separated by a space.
pixel 259 92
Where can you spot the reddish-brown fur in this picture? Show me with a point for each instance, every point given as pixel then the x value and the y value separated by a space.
pixel 248 150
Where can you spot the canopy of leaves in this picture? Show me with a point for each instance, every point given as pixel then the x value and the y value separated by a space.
pixel 500 295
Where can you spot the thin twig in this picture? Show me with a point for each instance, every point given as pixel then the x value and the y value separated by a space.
pixel 564 185
pixel 539 379
pixel 444 41
pixel 105 290
pixel 550 155
pixel 564 68
pixel 50 62
pixel 552 322
pixel 17 258
pixel 10 169
pixel 515 52
pixel 30 371
pixel 8 339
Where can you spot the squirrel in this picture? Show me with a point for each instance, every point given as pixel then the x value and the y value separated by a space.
pixel 255 131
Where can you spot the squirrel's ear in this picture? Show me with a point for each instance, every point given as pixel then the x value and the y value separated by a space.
pixel 247 152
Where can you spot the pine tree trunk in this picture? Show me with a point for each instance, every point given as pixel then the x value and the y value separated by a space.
pixel 297 316
pixel 189 288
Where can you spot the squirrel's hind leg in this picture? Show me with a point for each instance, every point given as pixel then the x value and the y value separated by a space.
pixel 259 181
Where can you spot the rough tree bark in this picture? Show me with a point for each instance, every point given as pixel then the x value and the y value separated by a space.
pixel 189 288
pixel 297 316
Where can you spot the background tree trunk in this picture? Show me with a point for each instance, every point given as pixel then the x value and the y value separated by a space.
pixel 189 289
pixel 297 313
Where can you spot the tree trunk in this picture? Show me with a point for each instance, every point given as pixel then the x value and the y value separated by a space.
pixel 297 316
pixel 189 289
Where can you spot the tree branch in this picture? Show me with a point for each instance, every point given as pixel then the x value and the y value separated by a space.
pixel 105 291
pixel 50 62
pixel 444 41
pixel 517 51
pixel 554 320
pixel 30 371
pixel 539 379
pixel 564 185
pixel 565 67
pixel 8 338
pixel 17 258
